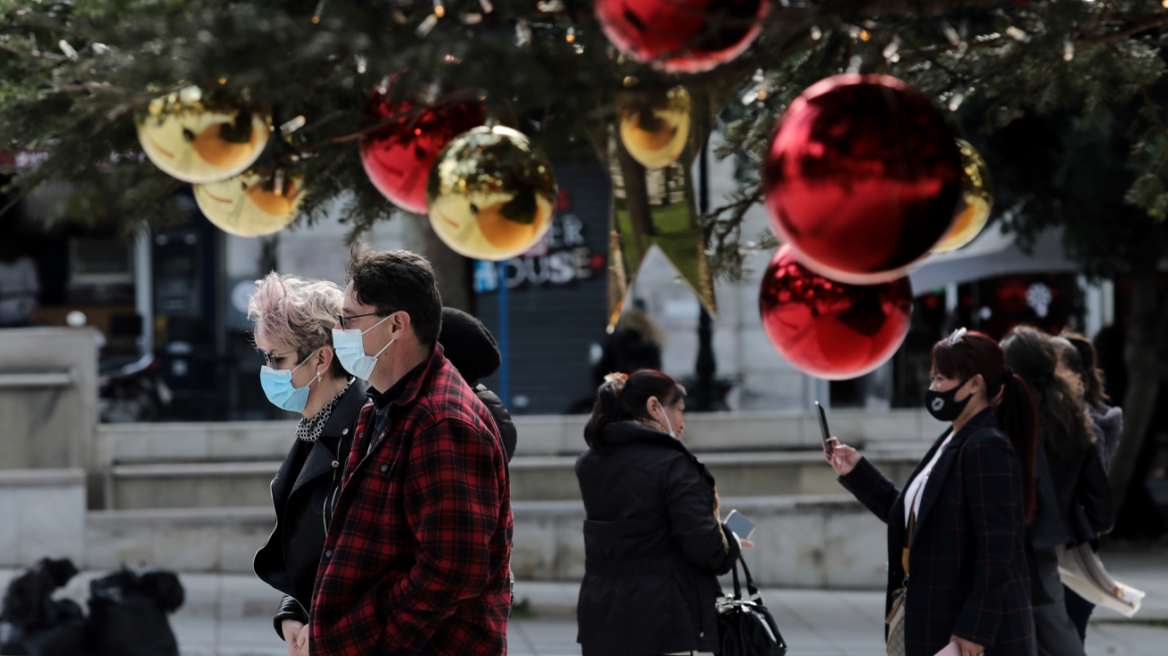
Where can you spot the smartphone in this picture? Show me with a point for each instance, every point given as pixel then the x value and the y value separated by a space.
pixel 738 523
pixel 823 429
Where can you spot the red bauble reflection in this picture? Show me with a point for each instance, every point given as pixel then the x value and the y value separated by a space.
pixel 681 36
pixel 862 177
pixel 397 159
pixel 829 329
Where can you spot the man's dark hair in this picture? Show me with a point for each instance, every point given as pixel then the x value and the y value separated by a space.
pixel 397 281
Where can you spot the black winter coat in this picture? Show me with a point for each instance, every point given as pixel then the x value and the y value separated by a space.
pixel 305 483
pixel 501 416
pixel 968 574
pixel 653 545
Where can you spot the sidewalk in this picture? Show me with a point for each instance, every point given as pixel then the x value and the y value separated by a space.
pixel 230 615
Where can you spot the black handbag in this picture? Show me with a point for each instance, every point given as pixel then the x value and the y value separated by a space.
pixel 745 626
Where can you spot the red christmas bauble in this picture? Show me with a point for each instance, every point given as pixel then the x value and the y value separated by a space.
pixel 681 36
pixel 862 177
pixel 397 158
pixel 831 329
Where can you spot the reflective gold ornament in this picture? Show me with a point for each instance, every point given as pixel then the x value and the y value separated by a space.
pixel 189 139
pixel 491 194
pixel 250 206
pixel 655 129
pixel 977 199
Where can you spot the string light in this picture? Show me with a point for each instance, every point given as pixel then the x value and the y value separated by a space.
pixel 864 35
pixel 222 81
pixel 1069 47
pixel 817 34
pixel 571 36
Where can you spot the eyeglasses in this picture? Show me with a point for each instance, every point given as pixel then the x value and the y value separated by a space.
pixel 957 336
pixel 342 318
pixel 270 358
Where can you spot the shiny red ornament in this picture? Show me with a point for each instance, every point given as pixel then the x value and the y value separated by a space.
pixel 831 329
pixel 397 158
pixel 862 177
pixel 681 36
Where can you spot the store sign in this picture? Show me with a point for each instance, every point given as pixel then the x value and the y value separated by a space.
pixel 560 258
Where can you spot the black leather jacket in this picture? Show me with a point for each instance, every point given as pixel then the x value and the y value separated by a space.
pixel 302 491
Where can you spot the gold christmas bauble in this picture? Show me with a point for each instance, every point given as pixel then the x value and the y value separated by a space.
pixel 491 194
pixel 250 206
pixel 654 129
pixel 977 199
pixel 196 141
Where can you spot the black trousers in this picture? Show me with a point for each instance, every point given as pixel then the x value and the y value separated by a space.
pixel 1079 610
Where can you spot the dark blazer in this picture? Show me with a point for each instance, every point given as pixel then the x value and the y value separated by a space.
pixel 653 547
pixel 305 482
pixel 967 561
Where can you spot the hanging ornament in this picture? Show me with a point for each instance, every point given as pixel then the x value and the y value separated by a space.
pixel 249 205
pixel 977 199
pixel 398 158
pixel 830 329
pixel 862 177
pixel 196 140
pixel 681 36
pixel 491 194
pixel 657 207
pixel 655 128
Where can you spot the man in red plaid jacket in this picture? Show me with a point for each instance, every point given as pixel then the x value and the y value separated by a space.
pixel 416 558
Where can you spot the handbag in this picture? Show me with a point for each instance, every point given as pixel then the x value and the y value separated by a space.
pixel 745 626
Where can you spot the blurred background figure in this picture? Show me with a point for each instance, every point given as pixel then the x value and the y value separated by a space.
pixel 1077 367
pixel 1106 420
pixel 1074 500
pixel 633 346
pixel 19 284
pixel 472 349
pixel 293 321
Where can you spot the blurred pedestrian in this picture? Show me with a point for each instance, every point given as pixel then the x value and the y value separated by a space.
pixel 652 537
pixel 633 346
pixel 1074 500
pixel 1106 420
pixel 416 562
pixel 1076 366
pixel 957 567
pixel 293 321
pixel 472 349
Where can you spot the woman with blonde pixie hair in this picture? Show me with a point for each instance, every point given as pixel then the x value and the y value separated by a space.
pixel 293 321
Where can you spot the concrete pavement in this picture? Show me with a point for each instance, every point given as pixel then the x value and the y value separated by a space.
pixel 230 615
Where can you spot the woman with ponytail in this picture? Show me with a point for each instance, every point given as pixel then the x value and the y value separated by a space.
pixel 957 567
pixel 1074 500
pixel 652 537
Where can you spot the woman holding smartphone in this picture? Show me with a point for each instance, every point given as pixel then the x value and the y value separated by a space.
pixel 652 538
pixel 957 569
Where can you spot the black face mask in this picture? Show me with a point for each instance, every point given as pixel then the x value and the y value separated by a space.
pixel 944 406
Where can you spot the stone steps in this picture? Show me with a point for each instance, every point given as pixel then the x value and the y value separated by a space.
pixel 212 484
pixel 797 537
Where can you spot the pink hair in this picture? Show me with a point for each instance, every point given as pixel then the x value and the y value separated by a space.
pixel 297 312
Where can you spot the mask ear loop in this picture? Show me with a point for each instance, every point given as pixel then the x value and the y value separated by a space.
pixel 668 423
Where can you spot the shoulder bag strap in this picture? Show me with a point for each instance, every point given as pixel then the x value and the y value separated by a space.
pixel 750 587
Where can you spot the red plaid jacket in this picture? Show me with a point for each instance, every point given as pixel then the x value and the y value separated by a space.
pixel 418 550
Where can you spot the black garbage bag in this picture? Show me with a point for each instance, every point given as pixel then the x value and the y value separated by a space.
pixel 127 613
pixel 32 623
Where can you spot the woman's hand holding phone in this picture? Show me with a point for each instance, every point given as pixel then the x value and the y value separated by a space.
pixel 842 458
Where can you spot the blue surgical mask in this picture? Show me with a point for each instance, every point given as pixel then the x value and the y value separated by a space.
pixel 350 350
pixel 277 386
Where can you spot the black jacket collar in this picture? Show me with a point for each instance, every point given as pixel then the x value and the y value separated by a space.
pixel 337 431
pixel 626 432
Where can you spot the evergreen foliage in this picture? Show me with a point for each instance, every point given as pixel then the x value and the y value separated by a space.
pixel 1062 94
